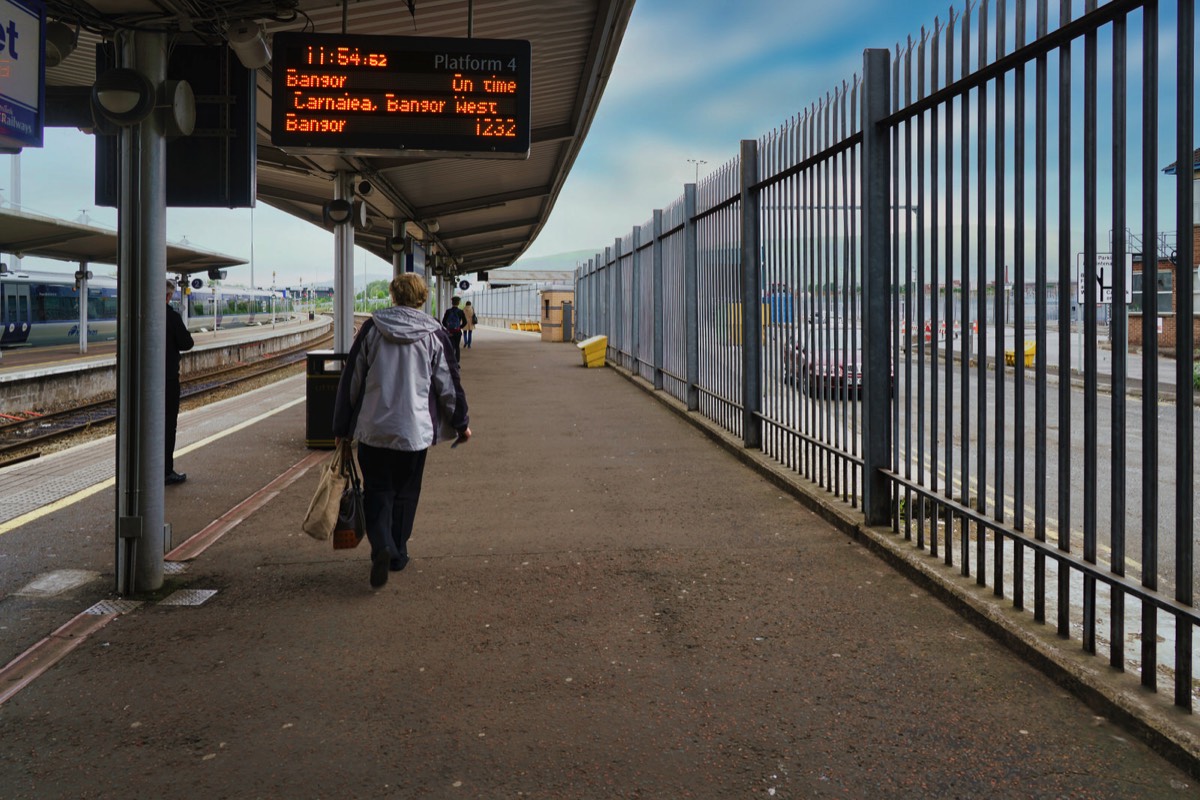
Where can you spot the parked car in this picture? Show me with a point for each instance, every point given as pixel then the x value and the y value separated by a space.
pixel 826 363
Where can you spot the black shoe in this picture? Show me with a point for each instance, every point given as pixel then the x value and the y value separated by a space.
pixel 398 564
pixel 176 477
pixel 379 569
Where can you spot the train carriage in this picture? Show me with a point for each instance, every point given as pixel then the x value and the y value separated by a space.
pixel 42 308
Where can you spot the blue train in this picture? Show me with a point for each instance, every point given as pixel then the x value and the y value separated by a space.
pixel 42 308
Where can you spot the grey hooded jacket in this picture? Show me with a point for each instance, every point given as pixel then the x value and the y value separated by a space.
pixel 400 387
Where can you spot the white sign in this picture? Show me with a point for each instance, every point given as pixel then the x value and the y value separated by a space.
pixel 21 73
pixel 1104 278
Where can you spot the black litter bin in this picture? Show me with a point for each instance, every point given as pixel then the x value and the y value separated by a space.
pixel 324 372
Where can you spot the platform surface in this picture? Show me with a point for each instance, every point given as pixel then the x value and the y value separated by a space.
pixel 601 603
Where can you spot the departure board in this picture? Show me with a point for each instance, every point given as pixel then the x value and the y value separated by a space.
pixel 396 95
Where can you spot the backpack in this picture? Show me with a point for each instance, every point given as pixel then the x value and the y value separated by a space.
pixel 454 320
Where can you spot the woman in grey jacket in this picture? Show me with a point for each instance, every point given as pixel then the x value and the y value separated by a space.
pixel 399 394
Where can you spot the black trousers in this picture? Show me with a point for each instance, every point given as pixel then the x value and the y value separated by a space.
pixel 172 422
pixel 391 491
pixel 456 340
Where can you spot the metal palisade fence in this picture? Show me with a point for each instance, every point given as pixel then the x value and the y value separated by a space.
pixel 898 294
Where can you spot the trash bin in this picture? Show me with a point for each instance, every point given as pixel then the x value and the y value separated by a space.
pixel 1010 356
pixel 324 372
pixel 593 350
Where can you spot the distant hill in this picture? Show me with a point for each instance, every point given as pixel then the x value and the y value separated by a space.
pixel 555 262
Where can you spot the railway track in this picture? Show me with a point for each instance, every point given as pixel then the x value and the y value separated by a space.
pixel 23 439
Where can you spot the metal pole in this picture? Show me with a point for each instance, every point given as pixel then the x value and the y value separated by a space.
pixel 1185 502
pixel 635 302
pixel 617 337
pixel 659 301
pixel 397 256
pixel 876 168
pixel 751 299
pixel 343 270
pixel 83 309
pixel 141 354
pixel 691 298
pixel 16 198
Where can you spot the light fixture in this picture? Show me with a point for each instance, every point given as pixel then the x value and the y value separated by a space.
pixel 124 96
pixel 249 43
pixel 432 225
pixel 359 215
pixel 338 212
pixel 394 244
pixel 178 97
pixel 60 42
pixel 363 188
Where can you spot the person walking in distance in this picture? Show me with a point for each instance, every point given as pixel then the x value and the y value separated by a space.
pixel 399 394
pixel 469 325
pixel 179 340
pixel 454 320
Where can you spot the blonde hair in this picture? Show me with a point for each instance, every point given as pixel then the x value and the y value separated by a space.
pixel 408 289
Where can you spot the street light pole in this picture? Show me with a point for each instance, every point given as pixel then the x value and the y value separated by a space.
pixel 697 162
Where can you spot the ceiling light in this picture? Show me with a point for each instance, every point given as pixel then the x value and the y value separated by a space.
pixel 123 96
pixel 338 212
pixel 60 42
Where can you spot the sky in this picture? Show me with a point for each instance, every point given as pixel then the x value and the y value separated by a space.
pixel 692 78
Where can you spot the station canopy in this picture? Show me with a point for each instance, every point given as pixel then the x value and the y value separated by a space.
pixel 26 234
pixel 481 213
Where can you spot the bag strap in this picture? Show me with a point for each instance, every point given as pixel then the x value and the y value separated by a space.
pixel 349 467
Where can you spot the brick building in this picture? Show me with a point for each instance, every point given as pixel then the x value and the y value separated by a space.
pixel 1167 283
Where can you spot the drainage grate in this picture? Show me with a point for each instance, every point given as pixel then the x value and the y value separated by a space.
pixel 174 567
pixel 113 607
pixel 188 597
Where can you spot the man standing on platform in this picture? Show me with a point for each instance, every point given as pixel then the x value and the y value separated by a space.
pixel 454 320
pixel 178 340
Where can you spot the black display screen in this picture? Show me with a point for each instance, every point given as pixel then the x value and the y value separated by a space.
pixel 392 95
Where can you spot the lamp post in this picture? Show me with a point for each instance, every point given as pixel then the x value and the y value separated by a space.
pixel 697 162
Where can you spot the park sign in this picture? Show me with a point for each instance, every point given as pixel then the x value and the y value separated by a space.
pixel 353 94
pixel 1104 278
pixel 22 74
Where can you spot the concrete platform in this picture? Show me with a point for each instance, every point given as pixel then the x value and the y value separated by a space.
pixel 601 603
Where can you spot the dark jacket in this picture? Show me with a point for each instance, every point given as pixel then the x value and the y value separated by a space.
pixel 400 388
pixel 179 340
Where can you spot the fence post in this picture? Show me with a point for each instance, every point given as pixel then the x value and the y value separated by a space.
pixel 579 293
pixel 691 299
pixel 619 311
pixel 635 312
pixel 877 248
pixel 612 313
pixel 751 299
pixel 659 304
pixel 596 297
